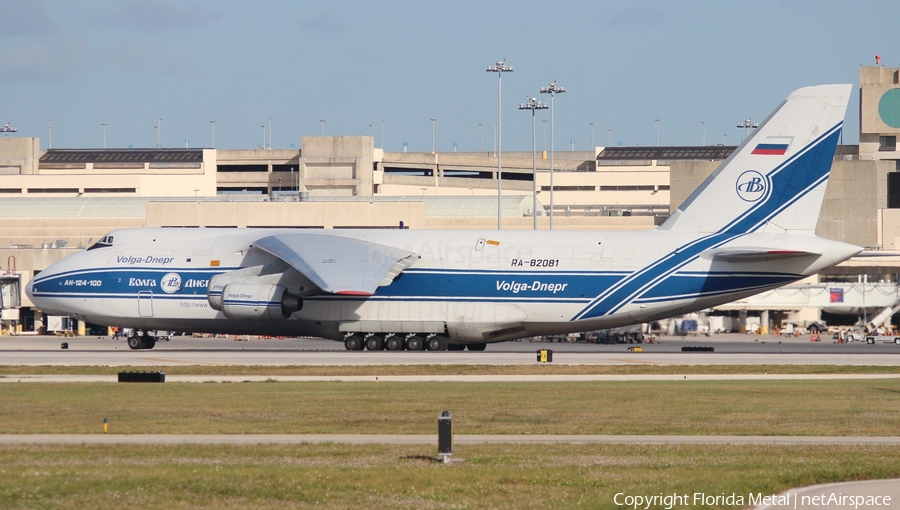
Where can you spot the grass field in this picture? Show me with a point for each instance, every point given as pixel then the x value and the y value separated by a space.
pixel 407 476
pixel 373 370
pixel 868 408
pixel 373 476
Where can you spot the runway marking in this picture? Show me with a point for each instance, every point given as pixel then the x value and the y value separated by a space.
pixel 638 361
pixel 166 360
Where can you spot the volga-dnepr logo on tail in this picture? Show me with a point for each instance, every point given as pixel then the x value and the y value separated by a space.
pixel 751 186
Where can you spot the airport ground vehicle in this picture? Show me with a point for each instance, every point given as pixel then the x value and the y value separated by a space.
pixel 624 335
pixel 882 339
pixel 799 328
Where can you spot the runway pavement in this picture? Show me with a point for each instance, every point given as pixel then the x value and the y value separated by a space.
pixel 874 493
pixel 729 350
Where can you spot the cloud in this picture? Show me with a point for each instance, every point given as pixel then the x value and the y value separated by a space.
pixel 44 59
pixel 138 57
pixel 321 22
pixel 28 18
pixel 54 59
pixel 636 15
pixel 158 16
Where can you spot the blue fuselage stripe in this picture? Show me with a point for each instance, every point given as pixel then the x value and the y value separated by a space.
pixel 576 287
pixel 795 178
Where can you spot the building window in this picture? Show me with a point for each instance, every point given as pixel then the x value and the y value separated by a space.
pixel 628 188
pixel 887 143
pixel 893 189
pixel 109 190
pixel 52 190
pixel 569 188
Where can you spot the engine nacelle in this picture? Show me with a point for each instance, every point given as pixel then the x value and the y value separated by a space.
pixel 259 301
pixel 217 284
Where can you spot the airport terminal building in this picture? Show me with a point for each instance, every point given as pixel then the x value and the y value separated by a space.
pixel 55 201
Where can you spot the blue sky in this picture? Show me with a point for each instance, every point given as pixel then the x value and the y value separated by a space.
pixel 352 63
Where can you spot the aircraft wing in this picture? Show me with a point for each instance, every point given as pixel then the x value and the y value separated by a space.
pixel 339 265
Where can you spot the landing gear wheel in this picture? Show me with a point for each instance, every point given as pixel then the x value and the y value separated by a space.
pixel 374 343
pixel 415 343
pixel 135 342
pixel 456 347
pixel 393 343
pixel 149 342
pixel 477 347
pixel 353 343
pixel 436 343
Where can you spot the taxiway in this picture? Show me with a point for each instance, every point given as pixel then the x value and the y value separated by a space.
pixel 729 350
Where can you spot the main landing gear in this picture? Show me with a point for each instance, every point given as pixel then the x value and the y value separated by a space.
pixel 141 340
pixel 408 342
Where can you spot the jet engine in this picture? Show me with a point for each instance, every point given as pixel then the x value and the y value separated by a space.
pixel 259 301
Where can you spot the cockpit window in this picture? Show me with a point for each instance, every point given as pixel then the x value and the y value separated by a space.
pixel 104 242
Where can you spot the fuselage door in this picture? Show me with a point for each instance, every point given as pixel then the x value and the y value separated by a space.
pixel 145 303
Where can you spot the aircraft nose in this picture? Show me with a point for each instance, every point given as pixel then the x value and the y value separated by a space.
pixel 28 289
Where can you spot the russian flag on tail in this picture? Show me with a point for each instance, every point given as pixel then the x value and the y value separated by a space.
pixel 773 146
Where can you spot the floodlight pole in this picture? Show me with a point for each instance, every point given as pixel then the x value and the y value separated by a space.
pixel 533 104
pixel 432 134
pixel 481 137
pixel 748 125
pixel 544 143
pixel 499 68
pixel 552 89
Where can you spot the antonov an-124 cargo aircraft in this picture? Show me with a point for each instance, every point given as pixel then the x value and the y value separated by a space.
pixel 748 228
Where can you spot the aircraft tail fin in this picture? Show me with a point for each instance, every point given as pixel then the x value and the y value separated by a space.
pixel 775 181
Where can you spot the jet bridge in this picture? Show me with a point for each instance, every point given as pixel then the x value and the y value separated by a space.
pixel 10 297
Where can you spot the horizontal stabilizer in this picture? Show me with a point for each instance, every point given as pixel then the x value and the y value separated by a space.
pixel 758 255
pixel 339 265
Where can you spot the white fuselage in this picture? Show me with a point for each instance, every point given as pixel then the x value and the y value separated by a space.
pixel 473 286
